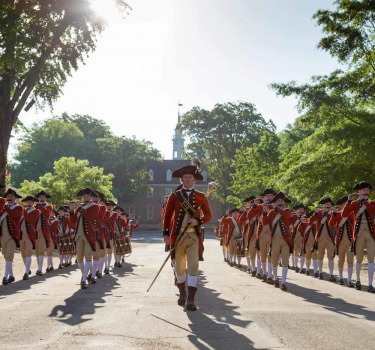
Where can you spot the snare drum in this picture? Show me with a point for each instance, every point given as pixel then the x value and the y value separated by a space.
pixel 123 245
pixel 67 246
pixel 240 249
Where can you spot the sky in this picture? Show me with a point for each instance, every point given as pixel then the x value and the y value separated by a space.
pixel 198 52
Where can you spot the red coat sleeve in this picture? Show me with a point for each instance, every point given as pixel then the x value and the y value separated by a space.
pixel 348 208
pixel 242 219
pixel 334 220
pixel 370 207
pixel 91 213
pixel 269 218
pixel 16 212
pixel 258 210
pixel 46 211
pixel 169 211
pixel 2 204
pixel 31 217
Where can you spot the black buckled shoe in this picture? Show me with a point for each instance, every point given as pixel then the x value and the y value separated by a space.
pixel 93 280
pixel 29 272
pixel 61 266
pixel 99 275
pixel 231 264
pixel 182 298
pixel 11 279
pixel 253 273
pixel 123 260
pixel 269 280
pixel 332 278
pixel 190 304
pixel 316 275
pixel 303 272
pixel 297 270
pixel 276 283
pixel 321 276
pixel 264 278
pixel 119 265
pixel 106 271
pixel 341 282
pixel 89 276
pixel 39 273
pixel 84 285
pixel 225 259
pixel 5 281
pixel 283 287
pixel 350 284
pixel 115 265
pixel 259 276
pixel 25 277
pixel 371 289
pixel 358 285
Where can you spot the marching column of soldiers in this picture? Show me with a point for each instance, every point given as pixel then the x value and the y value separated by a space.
pixel 268 234
pixel 92 229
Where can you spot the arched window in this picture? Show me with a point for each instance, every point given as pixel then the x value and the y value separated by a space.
pixel 150 212
pixel 169 175
pixel 132 211
pixel 204 174
pixel 151 173
pixel 150 193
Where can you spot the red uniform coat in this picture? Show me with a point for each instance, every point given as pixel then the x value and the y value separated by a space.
pixel 111 224
pixel 353 206
pixel 105 223
pixel 54 231
pixel 65 224
pixel 335 221
pixel 174 216
pixel 229 223
pixel 121 225
pixel 45 214
pixel 256 211
pixel 2 204
pixel 302 228
pixel 316 219
pixel 100 224
pixel 30 221
pixel 12 220
pixel 285 213
pixel 88 216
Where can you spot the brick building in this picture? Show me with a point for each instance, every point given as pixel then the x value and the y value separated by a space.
pixel 162 183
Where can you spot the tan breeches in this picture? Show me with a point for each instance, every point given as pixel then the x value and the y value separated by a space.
pixel 344 250
pixel 323 244
pixel 40 246
pixel 309 253
pixel 51 247
pixel 297 245
pixel 280 247
pixel 253 252
pixel 188 249
pixel 26 246
pixel 264 245
pixel 8 247
pixel 364 239
pixel 83 249
pixel 100 253
pixel 109 250
pixel 232 245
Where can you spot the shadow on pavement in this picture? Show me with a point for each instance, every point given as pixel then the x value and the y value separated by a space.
pixel 21 285
pixel 82 304
pixel 212 324
pixel 328 302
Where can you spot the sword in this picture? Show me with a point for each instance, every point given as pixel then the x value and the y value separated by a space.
pixel 212 187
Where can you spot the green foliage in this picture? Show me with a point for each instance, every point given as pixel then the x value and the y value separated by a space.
pixel 217 135
pixel 68 177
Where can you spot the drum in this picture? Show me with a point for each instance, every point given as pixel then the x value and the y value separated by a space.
pixel 240 249
pixel 67 246
pixel 123 245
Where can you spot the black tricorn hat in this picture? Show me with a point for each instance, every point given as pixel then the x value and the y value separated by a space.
pixel 86 191
pixel 42 193
pixel 30 198
pixel 299 206
pixel 280 195
pixel 234 210
pixel 249 199
pixel 361 185
pixel 110 202
pixel 67 207
pixel 191 169
pixel 124 213
pixel 326 200
pixel 119 208
pixel 101 195
pixel 62 207
pixel 11 191
pixel 342 200
pixel 268 191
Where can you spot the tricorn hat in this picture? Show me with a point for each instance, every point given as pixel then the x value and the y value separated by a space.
pixel 119 208
pixel 299 206
pixel 326 200
pixel 268 191
pixel 42 193
pixel 361 185
pixel 101 195
pixel 280 195
pixel 11 191
pixel 110 202
pixel 124 213
pixel 249 199
pixel 29 198
pixel 61 207
pixel 234 210
pixel 86 191
pixel 191 169
pixel 342 200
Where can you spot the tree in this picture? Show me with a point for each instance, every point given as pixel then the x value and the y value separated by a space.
pixel 41 43
pixel 256 168
pixel 68 177
pixel 217 135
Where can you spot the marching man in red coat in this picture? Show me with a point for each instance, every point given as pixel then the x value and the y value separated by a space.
pixel 181 206
pixel 281 238
pixel 43 235
pixel 28 233
pixel 85 235
pixel 10 218
pixel 364 231
pixel 110 220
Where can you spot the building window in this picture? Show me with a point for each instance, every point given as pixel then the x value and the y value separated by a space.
pixel 150 212
pixel 150 193
pixel 204 174
pixel 132 211
pixel 168 191
pixel 175 154
pixel 151 173
pixel 169 175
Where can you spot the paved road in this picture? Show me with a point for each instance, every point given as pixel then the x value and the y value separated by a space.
pixel 236 311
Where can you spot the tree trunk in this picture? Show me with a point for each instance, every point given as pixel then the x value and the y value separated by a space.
pixel 6 126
